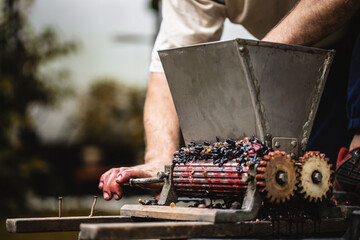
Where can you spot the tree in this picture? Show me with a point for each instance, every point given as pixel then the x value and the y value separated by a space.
pixel 22 84
pixel 111 113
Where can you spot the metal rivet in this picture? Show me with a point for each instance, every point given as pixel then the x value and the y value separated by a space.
pixel 277 144
pixel 60 206
pixel 93 206
pixel 293 143
pixel 241 48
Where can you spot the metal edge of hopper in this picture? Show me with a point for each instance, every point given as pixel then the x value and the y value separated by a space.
pixel 241 45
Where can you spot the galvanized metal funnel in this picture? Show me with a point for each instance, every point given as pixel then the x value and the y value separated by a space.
pixel 243 87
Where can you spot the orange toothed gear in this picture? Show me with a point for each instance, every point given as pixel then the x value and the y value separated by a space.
pixel 277 176
pixel 315 176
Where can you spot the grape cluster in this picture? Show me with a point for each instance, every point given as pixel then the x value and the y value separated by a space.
pixel 245 151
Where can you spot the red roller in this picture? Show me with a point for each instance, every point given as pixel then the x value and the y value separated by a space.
pixel 203 178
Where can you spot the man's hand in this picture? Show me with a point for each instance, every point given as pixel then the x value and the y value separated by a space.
pixel 112 181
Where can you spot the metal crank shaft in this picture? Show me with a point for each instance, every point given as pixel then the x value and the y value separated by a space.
pixel 143 181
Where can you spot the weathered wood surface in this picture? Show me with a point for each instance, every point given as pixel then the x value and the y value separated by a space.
pixel 249 229
pixel 56 224
pixel 179 213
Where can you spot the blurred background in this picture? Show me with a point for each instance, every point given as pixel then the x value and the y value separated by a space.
pixel 73 78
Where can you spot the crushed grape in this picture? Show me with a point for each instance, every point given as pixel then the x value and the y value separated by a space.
pixel 244 152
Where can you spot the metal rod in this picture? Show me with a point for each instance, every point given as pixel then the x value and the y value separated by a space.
pixel 140 181
pixel 93 206
pixel 60 206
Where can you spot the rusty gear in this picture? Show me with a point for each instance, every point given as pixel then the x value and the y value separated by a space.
pixel 277 176
pixel 315 176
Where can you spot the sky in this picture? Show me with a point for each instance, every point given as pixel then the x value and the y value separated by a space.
pixel 115 38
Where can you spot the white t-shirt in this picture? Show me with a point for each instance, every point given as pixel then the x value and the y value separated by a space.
pixel 187 22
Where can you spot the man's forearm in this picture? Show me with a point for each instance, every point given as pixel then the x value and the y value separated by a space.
pixel 161 122
pixel 310 21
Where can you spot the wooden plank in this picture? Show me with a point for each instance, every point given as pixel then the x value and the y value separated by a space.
pixel 249 229
pixel 179 213
pixel 56 224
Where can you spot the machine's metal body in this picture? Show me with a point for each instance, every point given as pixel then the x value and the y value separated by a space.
pixel 239 88
pixel 234 89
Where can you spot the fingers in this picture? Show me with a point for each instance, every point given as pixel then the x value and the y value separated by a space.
pixel 109 186
pixel 102 178
pixel 111 181
pixel 126 173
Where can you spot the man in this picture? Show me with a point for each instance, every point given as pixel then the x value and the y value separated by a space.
pixel 187 22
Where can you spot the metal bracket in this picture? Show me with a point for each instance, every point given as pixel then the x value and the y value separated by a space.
pixel 168 193
pixel 252 200
pixel 288 145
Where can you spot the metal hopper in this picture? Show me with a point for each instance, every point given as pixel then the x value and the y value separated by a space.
pixel 243 87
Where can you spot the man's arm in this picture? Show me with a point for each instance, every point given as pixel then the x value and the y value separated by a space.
pixel 310 21
pixel 162 137
pixel 161 123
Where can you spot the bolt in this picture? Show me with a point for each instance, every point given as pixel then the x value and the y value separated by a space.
pixel 357 153
pixel 281 177
pixel 277 144
pixel 293 143
pixel 93 206
pixel 60 206
pixel 304 141
pixel 316 177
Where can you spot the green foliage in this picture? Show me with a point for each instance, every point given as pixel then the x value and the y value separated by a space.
pixel 22 84
pixel 112 113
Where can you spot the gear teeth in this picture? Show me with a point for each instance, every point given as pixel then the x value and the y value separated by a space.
pixel 260 184
pixel 310 162
pixel 259 176
pixel 268 195
pixel 278 160
pixel 263 163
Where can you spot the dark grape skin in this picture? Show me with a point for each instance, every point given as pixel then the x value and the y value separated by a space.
pixel 245 151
